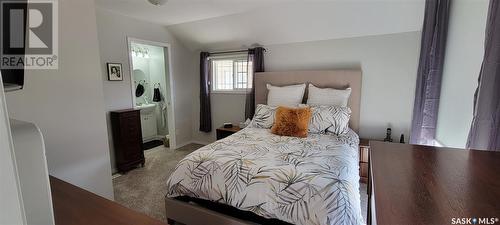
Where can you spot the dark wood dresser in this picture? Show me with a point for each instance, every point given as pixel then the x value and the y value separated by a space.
pixel 412 184
pixel 75 206
pixel 127 139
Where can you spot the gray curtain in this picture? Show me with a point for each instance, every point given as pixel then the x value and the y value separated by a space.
pixel 484 133
pixel 205 111
pixel 256 55
pixel 430 71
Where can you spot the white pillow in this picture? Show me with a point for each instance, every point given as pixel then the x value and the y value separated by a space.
pixel 321 119
pixel 328 96
pixel 334 119
pixel 263 117
pixel 341 117
pixel 289 96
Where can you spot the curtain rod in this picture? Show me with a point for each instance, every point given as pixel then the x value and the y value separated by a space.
pixel 233 51
pixel 227 52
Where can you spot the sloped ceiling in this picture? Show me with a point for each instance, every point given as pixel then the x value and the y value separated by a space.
pixel 234 24
pixel 182 11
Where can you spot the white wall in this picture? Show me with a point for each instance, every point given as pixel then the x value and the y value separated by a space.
pixel 225 108
pixel 464 55
pixel 67 104
pixel 113 30
pixel 389 65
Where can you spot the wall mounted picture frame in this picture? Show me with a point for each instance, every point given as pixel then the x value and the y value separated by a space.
pixel 115 72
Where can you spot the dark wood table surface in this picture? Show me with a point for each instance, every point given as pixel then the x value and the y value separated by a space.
pixel 75 206
pixel 430 185
pixel 234 128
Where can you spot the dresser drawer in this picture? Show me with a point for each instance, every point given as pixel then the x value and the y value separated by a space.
pixel 130 129
pixel 363 154
pixel 364 151
pixel 130 153
pixel 129 119
pixel 363 170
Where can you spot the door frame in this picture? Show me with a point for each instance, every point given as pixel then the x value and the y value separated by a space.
pixel 170 88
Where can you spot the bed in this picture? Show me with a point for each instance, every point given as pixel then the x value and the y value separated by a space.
pixel 256 177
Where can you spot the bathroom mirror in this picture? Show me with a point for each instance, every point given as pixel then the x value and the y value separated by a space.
pixel 139 90
pixel 140 80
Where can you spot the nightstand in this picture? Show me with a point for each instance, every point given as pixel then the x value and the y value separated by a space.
pixel 364 150
pixel 224 132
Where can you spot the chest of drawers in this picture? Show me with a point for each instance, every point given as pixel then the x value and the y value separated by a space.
pixel 127 139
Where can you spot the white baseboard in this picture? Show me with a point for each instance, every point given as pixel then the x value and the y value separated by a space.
pixel 192 142
pixel 201 142
pixel 180 145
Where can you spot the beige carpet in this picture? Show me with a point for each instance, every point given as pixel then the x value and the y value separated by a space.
pixel 143 189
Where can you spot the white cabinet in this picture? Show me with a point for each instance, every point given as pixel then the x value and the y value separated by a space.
pixel 148 125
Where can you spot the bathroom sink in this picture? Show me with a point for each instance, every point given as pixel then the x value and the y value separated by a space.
pixel 146 108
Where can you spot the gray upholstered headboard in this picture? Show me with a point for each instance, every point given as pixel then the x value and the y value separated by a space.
pixel 339 79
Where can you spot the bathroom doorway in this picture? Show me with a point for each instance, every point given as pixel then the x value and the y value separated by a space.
pixel 151 85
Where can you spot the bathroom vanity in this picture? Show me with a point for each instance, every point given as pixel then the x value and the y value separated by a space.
pixel 148 121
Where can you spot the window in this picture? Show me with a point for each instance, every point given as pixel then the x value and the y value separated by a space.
pixel 231 74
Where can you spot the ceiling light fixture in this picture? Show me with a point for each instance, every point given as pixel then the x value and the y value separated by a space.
pixel 158 2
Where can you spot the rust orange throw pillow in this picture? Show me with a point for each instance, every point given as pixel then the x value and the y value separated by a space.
pixel 291 121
